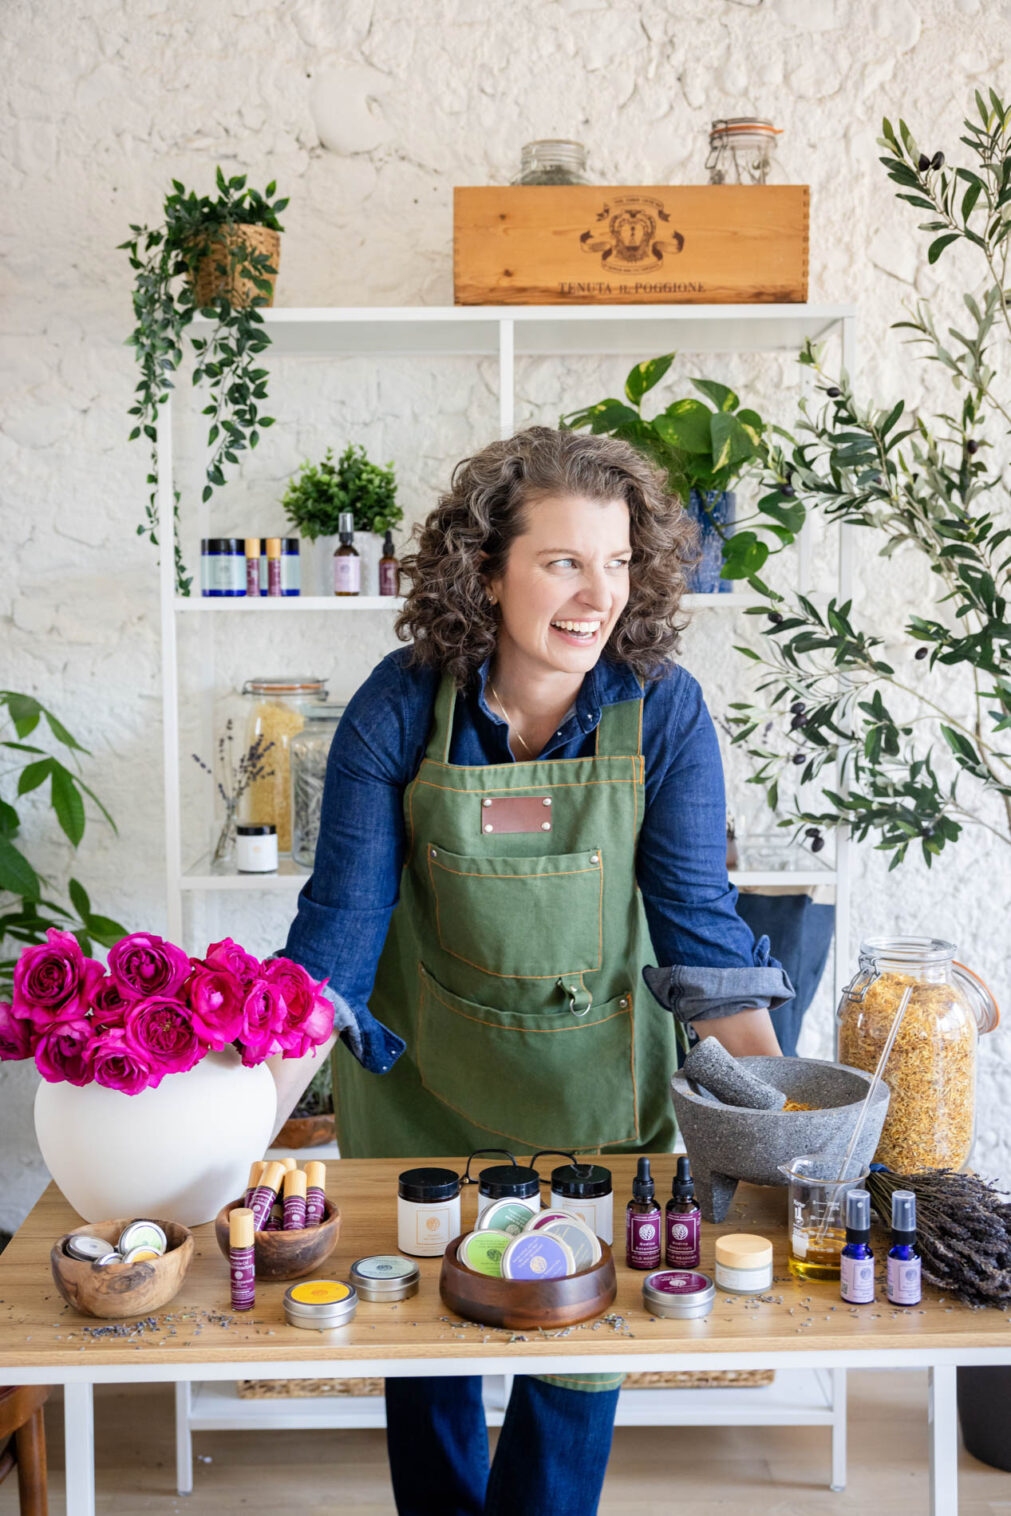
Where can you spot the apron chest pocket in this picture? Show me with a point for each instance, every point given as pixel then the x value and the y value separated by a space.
pixel 520 918
pixel 542 1081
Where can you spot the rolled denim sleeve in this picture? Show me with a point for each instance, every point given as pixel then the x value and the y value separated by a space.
pixel 710 963
pixel 344 909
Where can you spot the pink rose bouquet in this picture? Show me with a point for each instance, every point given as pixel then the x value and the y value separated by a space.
pixel 156 1012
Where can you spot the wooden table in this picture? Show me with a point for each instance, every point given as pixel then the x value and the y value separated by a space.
pixel 43 1341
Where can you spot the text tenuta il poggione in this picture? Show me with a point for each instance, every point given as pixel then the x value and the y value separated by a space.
pixel 600 287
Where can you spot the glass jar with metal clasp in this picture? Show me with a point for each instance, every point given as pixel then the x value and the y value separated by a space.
pixel 310 750
pixel 742 150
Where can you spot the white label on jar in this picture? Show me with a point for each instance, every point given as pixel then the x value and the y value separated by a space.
pixel 291 574
pixel 597 1213
pixel 347 574
pixel 856 1280
pixel 904 1281
pixel 256 853
pixel 743 1279
pixel 217 573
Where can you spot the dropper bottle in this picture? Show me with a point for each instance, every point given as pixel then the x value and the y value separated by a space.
pixel 683 1220
pixel 904 1287
pixel 643 1222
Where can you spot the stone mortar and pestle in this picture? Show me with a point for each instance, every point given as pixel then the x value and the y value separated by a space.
pixel 730 1112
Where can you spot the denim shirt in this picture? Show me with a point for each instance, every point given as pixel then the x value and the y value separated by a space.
pixel 710 964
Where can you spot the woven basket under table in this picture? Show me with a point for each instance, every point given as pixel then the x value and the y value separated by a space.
pixel 300 1389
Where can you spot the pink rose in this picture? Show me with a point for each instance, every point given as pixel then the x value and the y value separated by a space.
pixel 263 1012
pixel 114 1065
pixel 15 1035
pixel 215 998
pixel 144 965
pixel 160 1032
pixel 53 980
pixel 308 1016
pixel 227 954
pixel 109 1004
pixel 61 1053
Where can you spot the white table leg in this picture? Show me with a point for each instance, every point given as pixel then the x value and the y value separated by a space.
pixel 942 1414
pixel 79 1441
pixel 838 1429
pixel 184 1439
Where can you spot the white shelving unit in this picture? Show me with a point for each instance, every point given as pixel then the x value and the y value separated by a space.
pixel 797 1398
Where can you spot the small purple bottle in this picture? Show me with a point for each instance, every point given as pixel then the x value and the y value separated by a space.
pixel 241 1261
pixel 856 1264
pixel 643 1222
pixel 683 1220
pixel 294 1200
pixel 903 1260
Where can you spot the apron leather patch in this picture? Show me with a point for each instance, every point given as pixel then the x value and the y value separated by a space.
pixel 516 813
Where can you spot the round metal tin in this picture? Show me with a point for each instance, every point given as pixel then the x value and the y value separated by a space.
pixel 320 1304
pixel 504 1216
pixel 142 1233
pixel 538 1255
pixel 91 1249
pixel 140 1254
pixel 484 1251
pixel 385 1276
pixel 584 1245
pixel 541 1219
pixel 683 1293
pixel 102 1263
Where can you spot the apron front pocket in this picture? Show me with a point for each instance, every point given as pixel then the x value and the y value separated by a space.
pixel 520 918
pixel 553 1080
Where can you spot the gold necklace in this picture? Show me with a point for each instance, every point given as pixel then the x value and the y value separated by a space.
pixel 509 721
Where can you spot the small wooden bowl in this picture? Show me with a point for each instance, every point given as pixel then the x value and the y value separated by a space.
pixel 527 1303
pixel 122 1289
pixel 286 1255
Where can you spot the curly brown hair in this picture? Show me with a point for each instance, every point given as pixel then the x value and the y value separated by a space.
pixel 465 542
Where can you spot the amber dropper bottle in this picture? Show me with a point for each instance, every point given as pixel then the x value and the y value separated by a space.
pixel 643 1222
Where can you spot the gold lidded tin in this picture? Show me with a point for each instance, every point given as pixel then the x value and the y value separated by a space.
pixel 385 1277
pixel 319 1304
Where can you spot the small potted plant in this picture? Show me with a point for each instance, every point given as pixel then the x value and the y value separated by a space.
pixel 705 450
pixel 312 1122
pixel 216 258
pixel 319 493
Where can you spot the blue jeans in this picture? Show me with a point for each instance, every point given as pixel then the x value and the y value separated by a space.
pixel 550 1461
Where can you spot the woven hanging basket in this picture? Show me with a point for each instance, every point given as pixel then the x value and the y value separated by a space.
pixel 214 273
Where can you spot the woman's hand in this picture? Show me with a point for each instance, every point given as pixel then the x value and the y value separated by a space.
pixel 292 1075
pixel 746 1034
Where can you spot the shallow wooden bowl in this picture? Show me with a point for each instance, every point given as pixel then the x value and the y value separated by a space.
pixel 527 1303
pixel 122 1289
pixel 286 1255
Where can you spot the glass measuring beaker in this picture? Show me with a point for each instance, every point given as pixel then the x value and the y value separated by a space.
pixel 816 1214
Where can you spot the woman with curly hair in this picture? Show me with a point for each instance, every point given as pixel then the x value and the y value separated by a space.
pixel 523 819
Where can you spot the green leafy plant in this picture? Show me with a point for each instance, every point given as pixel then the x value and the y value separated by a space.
pixel 164 304
pixel 931 485
pixel 704 450
pixel 26 913
pixel 319 493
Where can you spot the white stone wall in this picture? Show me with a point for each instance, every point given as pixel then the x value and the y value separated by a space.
pixel 367 114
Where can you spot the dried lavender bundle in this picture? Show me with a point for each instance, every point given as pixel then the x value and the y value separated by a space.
pixel 963 1231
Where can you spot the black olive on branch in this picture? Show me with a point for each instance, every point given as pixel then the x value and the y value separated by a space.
pixel 798 708
pixel 799 758
pixel 937 161
pixel 921 652
pixel 787 490
pixel 923 163
pixel 972 446
pixel 776 617
pixel 833 393
pixel 817 843
pixel 798 721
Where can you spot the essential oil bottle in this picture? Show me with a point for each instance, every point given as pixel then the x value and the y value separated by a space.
pixel 903 1259
pixel 389 568
pixel 347 564
pixel 684 1220
pixel 856 1263
pixel 643 1221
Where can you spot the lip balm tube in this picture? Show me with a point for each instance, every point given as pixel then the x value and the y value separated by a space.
pixel 289 1163
pixel 315 1179
pixel 255 1170
pixel 294 1200
pixel 265 1194
pixel 241 1264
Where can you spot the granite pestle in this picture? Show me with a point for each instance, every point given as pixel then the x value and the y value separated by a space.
pixel 711 1066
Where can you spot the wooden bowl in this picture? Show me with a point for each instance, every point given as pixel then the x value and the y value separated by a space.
pixel 122 1289
pixel 306 1132
pixel 527 1303
pixel 286 1255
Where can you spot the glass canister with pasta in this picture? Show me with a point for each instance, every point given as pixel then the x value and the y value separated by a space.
pixel 276 712
pixel 931 1069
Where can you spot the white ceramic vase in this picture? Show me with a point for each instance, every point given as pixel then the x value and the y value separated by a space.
pixel 177 1153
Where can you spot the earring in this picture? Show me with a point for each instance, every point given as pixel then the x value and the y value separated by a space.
pixel 492 599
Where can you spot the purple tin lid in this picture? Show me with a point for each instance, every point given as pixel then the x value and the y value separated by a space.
pixel 537 1255
pixel 678 1292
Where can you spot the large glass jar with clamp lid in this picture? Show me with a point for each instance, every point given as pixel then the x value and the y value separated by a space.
pixel 276 710
pixel 931 1069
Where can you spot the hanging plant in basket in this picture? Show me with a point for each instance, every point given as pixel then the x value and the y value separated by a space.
pixel 216 258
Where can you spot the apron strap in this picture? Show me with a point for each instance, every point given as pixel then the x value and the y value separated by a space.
pixel 619 733
pixel 442 721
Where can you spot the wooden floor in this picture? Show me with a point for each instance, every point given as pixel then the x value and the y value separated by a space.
pixel 781 1471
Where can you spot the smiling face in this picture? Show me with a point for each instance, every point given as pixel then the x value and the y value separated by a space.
pixel 564 585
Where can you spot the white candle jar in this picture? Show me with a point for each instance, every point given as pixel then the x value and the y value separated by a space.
pixel 585 1190
pixel 428 1211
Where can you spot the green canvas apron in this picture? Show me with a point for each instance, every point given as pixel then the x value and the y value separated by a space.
pixel 511 968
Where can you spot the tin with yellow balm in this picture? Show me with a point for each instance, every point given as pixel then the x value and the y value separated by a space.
pixel 319 1304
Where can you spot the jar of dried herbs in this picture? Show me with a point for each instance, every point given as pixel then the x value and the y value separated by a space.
pixel 277 709
pixel 742 150
pixel 310 749
pixel 552 160
pixel 931 1069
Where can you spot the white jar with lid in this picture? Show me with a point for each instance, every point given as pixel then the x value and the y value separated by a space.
pixel 743 1263
pixel 585 1190
pixel 428 1211
pixel 256 847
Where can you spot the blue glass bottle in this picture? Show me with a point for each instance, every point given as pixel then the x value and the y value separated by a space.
pixel 903 1259
pixel 856 1265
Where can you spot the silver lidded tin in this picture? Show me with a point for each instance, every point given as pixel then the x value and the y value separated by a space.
pixel 142 1234
pixel 82 1245
pixel 681 1293
pixel 320 1304
pixel 385 1277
